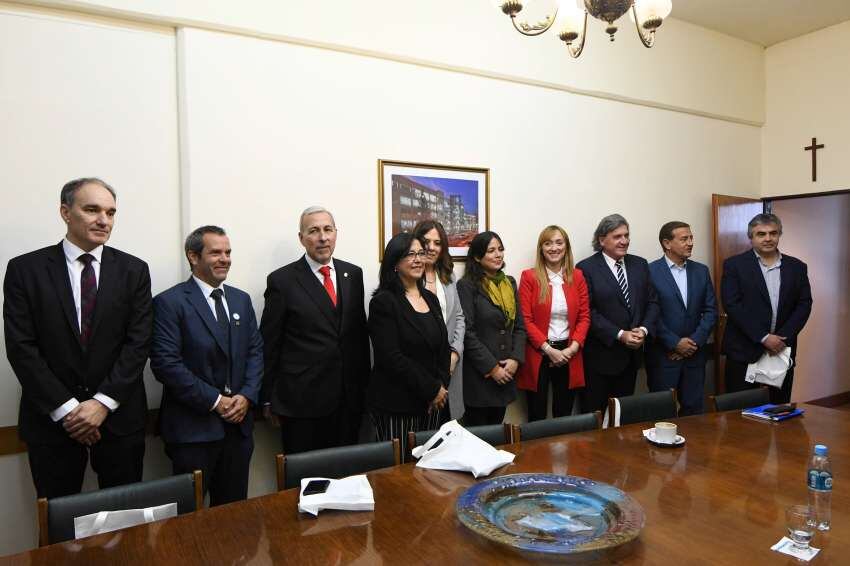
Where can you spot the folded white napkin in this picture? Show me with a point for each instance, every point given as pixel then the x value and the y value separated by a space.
pixel 348 494
pixel 455 448
pixel 786 546
pixel 108 521
pixel 770 370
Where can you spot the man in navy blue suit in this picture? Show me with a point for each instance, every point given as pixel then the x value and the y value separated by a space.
pixel 687 313
pixel 208 354
pixel 768 300
pixel 623 311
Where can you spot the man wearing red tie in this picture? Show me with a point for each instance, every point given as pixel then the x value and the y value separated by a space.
pixel 316 342
pixel 77 317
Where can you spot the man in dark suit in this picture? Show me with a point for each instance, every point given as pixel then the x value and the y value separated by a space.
pixel 623 311
pixel 317 343
pixel 208 354
pixel 768 300
pixel 77 317
pixel 687 313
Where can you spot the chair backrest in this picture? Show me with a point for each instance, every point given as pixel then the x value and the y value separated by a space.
pixel 56 516
pixel 649 407
pixel 740 399
pixel 494 435
pixel 335 463
pixel 557 426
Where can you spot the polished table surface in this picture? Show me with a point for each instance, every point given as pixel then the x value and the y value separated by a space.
pixel 719 499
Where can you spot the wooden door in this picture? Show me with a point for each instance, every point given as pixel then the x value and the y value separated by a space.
pixel 731 216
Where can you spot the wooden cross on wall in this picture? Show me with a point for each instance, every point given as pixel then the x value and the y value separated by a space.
pixel 814 149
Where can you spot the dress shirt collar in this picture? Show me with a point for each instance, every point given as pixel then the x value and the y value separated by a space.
pixel 206 288
pixel 671 264
pixel 555 278
pixel 315 266
pixel 769 267
pixel 73 252
pixel 612 263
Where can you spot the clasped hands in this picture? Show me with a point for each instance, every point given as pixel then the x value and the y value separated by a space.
pixel 233 409
pixel 558 358
pixel 503 372
pixel 684 349
pixel 774 344
pixel 83 422
pixel 439 401
pixel 633 338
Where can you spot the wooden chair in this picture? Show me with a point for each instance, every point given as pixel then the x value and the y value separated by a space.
pixel 557 426
pixel 740 399
pixel 56 516
pixel 649 407
pixel 494 435
pixel 335 463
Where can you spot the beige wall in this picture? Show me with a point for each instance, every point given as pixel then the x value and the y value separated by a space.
pixel 807 87
pixel 813 228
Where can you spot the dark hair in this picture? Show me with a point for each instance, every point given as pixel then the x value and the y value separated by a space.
pixel 195 240
pixel 395 252
pixel 764 218
pixel 666 232
pixel 477 250
pixel 444 266
pixel 69 191
pixel 605 227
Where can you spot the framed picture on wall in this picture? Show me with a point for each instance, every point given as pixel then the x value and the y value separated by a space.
pixel 458 197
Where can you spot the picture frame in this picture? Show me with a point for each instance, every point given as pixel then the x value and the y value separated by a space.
pixel 456 196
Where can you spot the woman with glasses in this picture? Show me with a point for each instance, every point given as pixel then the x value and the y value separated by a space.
pixel 494 345
pixel 556 310
pixel 409 381
pixel 440 280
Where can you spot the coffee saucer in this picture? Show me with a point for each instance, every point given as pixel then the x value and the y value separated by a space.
pixel 649 434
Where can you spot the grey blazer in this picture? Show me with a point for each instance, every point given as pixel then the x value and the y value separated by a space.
pixel 456 327
pixel 486 342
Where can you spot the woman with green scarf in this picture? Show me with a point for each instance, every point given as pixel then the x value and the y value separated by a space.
pixel 494 343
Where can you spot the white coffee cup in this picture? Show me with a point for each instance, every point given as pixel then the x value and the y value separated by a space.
pixel 665 432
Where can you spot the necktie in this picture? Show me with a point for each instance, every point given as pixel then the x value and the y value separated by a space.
pixel 88 297
pixel 325 270
pixel 224 324
pixel 624 286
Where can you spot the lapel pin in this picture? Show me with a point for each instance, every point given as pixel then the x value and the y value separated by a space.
pixel 345 274
pixel 236 318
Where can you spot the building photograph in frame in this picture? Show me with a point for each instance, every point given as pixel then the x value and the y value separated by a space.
pixel 457 197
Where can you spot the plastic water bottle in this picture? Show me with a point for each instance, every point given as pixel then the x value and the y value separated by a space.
pixel 820 486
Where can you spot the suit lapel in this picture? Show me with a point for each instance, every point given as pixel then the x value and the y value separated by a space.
pixel 343 291
pixel 237 312
pixel 756 273
pixel 58 271
pixel 199 302
pixel 317 293
pixel 106 287
pixel 671 281
pixel 785 283
pixel 612 280
pixel 691 283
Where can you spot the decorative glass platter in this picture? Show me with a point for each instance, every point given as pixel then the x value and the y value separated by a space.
pixel 550 513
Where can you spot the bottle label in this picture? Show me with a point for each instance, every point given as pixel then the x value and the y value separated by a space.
pixel 820 480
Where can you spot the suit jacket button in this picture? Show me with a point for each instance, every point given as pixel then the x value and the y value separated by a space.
pixel 502 331
pixel 501 346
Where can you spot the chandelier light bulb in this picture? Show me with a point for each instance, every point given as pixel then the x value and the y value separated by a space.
pixel 652 10
pixel 571 20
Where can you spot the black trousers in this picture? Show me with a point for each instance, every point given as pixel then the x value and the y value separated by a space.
pixel 340 428
pixel 599 387
pixel 225 463
pixel 735 381
pixel 562 396
pixel 481 416
pixel 58 469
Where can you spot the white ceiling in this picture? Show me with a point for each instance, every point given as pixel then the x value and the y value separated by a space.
pixel 762 21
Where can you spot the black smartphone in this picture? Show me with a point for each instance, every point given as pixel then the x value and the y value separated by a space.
pixel 779 409
pixel 316 486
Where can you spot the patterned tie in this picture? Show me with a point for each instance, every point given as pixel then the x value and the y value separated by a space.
pixel 325 270
pixel 624 287
pixel 88 297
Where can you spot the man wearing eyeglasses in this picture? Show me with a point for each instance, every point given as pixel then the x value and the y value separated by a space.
pixel 316 342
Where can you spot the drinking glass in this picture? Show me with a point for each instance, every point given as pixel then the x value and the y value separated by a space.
pixel 798 520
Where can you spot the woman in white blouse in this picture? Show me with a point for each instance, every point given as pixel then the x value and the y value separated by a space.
pixel 440 280
pixel 556 311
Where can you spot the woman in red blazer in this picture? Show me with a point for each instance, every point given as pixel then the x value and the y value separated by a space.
pixel 556 309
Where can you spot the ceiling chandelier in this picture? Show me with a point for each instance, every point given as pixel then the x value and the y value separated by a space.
pixel 648 16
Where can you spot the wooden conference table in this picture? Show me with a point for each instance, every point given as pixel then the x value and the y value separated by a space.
pixel 720 499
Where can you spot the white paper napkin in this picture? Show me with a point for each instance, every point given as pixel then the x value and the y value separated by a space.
pixel 348 494
pixel 786 546
pixel 455 448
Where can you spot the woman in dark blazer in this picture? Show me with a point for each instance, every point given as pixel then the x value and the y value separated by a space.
pixel 494 344
pixel 440 279
pixel 409 382
pixel 556 311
